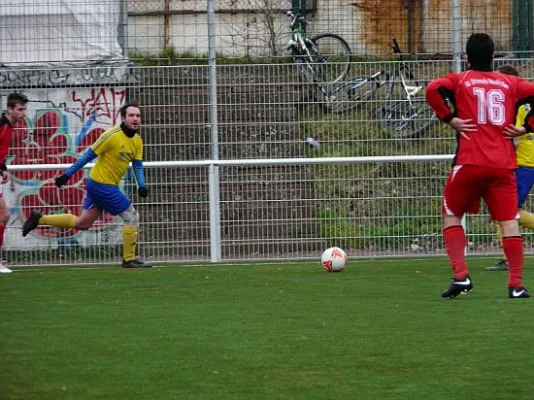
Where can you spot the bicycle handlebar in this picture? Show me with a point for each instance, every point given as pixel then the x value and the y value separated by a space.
pixel 396 47
pixel 297 18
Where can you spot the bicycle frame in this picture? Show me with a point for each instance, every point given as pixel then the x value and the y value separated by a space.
pixel 300 47
pixel 407 110
pixel 390 78
pixel 401 111
pixel 297 44
pixel 401 74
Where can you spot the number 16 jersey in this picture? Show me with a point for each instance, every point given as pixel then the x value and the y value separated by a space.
pixel 490 100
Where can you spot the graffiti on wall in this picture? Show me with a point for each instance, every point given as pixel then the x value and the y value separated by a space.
pixel 54 78
pixel 59 127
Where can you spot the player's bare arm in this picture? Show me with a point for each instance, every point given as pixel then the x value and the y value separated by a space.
pixel 511 131
pixel 463 126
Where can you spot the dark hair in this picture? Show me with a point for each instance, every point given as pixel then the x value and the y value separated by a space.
pixel 508 70
pixel 480 49
pixel 125 107
pixel 16 98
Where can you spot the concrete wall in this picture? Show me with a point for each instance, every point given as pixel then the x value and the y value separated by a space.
pixel 368 26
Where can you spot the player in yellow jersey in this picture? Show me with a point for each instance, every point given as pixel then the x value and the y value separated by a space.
pixel 525 172
pixel 113 150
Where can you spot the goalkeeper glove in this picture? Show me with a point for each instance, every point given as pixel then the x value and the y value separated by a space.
pixel 142 191
pixel 62 180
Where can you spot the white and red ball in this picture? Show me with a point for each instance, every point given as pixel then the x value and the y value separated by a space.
pixel 334 259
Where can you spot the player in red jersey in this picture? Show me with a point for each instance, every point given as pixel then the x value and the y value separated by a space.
pixel 485 104
pixel 16 111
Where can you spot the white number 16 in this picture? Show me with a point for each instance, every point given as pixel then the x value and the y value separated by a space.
pixel 490 106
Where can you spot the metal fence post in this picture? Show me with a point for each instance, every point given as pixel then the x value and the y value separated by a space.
pixel 123 28
pixel 214 203
pixel 299 7
pixel 456 38
pixel 295 6
pixel 530 26
pixel 522 14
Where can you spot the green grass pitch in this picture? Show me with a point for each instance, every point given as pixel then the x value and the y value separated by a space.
pixel 275 331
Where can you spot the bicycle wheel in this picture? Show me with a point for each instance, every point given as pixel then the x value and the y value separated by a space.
pixel 352 94
pixel 331 56
pixel 407 118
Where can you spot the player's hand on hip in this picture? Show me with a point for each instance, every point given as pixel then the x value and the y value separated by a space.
pixel 142 191
pixel 5 177
pixel 463 126
pixel 62 180
pixel 511 131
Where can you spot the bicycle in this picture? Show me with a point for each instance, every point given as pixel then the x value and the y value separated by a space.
pixel 405 112
pixel 322 60
pixel 408 116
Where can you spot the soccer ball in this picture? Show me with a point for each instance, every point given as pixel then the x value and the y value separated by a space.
pixel 334 259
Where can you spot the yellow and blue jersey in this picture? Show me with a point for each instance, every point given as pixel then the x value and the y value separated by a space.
pixel 525 145
pixel 115 151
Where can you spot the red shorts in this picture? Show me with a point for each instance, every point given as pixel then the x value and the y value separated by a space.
pixel 467 184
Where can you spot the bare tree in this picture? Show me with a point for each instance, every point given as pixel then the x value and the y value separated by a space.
pixel 257 26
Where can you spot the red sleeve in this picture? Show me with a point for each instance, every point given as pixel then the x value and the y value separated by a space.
pixel 434 95
pixel 5 141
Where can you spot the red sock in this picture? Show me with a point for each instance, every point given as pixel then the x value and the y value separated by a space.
pixel 454 238
pixel 513 248
pixel 2 229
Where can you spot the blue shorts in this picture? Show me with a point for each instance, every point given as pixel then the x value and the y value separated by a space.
pixel 105 197
pixel 525 180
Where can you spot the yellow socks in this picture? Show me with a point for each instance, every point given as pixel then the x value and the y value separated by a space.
pixel 129 233
pixel 499 232
pixel 129 242
pixel 526 219
pixel 59 220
